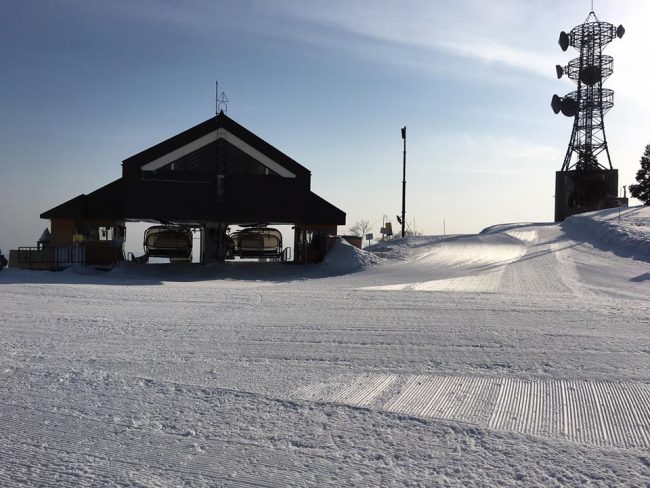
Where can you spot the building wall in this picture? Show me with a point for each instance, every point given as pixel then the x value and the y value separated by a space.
pixel 62 231
pixel 565 193
pixel 311 242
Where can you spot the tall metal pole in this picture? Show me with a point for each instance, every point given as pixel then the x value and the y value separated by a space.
pixel 404 181
pixel 216 168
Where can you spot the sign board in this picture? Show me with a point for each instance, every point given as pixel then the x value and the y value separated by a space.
pixel 369 237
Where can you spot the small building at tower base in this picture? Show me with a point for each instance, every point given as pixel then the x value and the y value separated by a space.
pixel 585 191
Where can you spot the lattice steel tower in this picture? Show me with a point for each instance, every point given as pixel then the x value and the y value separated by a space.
pixel 588 106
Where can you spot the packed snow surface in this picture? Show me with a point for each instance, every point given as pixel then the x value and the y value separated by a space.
pixel 516 357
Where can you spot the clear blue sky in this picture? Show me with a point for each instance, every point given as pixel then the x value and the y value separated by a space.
pixel 86 84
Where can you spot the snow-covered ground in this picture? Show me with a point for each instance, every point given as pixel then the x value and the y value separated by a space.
pixel 516 357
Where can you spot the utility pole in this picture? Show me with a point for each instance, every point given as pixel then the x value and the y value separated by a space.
pixel 404 181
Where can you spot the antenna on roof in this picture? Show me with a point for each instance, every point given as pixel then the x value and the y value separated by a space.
pixel 221 101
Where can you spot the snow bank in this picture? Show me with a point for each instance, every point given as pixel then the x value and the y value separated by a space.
pixel 625 232
pixel 472 251
pixel 525 232
pixel 396 249
pixel 345 258
pixel 402 249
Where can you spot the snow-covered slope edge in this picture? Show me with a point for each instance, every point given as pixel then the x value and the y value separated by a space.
pixel 627 236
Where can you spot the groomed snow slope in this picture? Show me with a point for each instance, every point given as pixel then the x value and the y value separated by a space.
pixel 516 357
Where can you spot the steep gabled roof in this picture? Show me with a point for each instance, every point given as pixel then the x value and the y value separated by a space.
pixel 221 121
pixel 280 195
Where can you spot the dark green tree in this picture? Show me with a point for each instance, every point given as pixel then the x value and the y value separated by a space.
pixel 642 189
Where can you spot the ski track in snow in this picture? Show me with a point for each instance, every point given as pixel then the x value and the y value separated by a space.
pixel 519 356
pixel 591 412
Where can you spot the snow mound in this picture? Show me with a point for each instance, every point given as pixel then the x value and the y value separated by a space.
pixel 526 232
pixel 474 251
pixel 403 249
pixel 396 249
pixel 625 232
pixel 345 258
pixel 527 236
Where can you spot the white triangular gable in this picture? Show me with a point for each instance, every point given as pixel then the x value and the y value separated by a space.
pixel 213 136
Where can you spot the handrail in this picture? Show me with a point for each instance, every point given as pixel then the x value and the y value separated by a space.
pixel 286 254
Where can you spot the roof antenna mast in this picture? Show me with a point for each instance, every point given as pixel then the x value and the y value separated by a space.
pixel 221 101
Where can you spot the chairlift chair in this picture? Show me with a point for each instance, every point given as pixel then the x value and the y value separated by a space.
pixel 170 242
pixel 257 242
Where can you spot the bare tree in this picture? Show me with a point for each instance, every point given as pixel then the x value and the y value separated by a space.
pixel 360 228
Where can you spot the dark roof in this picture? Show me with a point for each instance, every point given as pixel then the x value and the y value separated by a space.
pixel 210 125
pixel 320 211
pixel 247 197
pixel 106 202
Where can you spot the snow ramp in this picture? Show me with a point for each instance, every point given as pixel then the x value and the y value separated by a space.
pixel 515 258
pixel 587 253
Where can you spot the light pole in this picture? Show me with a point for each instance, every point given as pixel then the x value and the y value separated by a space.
pixel 404 181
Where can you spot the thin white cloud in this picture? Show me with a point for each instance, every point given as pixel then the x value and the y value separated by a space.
pixel 468 29
pixel 516 35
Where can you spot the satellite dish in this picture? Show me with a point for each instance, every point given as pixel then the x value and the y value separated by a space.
pixel 570 107
pixel 559 70
pixel 620 31
pixel 564 41
pixel 556 104
pixel 590 75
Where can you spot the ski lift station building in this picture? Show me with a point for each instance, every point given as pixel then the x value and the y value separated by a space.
pixel 207 178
